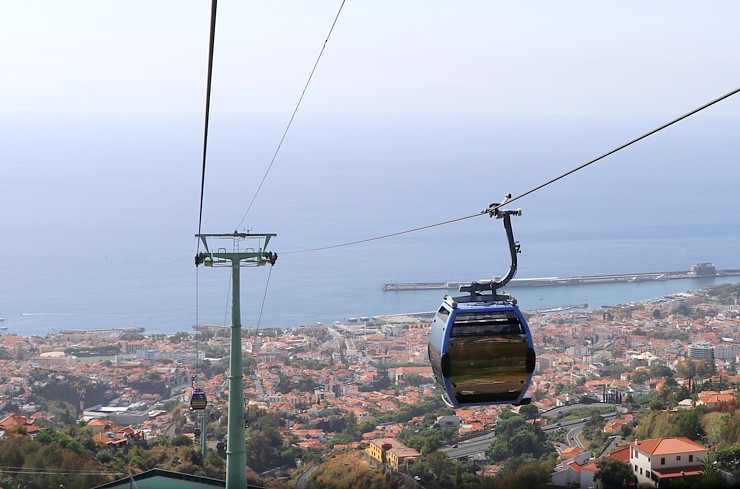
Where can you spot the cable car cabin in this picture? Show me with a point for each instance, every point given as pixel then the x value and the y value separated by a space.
pixel 481 353
pixel 198 400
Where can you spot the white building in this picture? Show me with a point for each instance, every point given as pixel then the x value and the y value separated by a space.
pixel 575 469
pixel 701 350
pixel 645 359
pixel 659 459
pixel 449 421
pixel 728 350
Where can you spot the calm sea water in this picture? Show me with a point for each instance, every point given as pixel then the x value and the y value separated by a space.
pixel 98 215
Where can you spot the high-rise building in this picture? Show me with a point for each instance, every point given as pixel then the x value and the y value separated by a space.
pixel 727 351
pixel 701 350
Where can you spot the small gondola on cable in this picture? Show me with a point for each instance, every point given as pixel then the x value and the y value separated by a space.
pixel 480 345
pixel 198 399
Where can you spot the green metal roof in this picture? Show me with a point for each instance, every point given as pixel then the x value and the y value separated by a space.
pixel 164 479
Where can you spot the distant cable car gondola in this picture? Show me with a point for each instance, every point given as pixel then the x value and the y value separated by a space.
pixel 480 345
pixel 198 400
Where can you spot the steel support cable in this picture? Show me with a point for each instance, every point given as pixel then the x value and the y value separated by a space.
pixel 640 138
pixel 264 297
pixel 212 39
pixel 198 330
pixel 367 240
pixel 51 471
pixel 292 117
pixel 209 78
pixel 493 208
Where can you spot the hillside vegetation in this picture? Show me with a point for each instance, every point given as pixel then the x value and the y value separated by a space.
pixel 351 470
pixel 717 427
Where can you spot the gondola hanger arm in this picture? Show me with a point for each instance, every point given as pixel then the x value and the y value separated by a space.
pixel 495 210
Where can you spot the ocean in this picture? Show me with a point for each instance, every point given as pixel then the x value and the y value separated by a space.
pixel 99 214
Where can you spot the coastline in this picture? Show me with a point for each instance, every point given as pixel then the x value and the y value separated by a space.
pixel 533 300
pixel 698 270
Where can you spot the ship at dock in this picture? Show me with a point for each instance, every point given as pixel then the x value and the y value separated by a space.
pixel 698 270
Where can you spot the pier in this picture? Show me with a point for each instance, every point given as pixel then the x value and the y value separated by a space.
pixel 698 270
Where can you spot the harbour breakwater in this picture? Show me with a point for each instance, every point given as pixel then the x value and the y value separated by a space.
pixel 703 269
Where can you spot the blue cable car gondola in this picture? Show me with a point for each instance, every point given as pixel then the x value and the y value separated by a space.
pixel 198 400
pixel 480 345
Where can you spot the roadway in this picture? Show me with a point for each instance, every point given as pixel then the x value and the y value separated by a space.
pixel 475 447
pixel 472 448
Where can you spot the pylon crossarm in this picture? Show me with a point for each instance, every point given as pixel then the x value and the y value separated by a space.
pixel 217 254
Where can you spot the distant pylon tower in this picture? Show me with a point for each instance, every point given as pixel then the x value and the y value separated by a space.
pixel 81 391
pixel 236 452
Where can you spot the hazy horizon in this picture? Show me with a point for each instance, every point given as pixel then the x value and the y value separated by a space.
pixel 416 114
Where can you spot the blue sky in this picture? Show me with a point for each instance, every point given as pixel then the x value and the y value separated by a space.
pixel 541 57
pixel 101 124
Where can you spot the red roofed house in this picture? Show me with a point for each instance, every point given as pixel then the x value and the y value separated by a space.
pixel 571 452
pixel 576 470
pixel 98 425
pixel 15 420
pixel 568 471
pixel 714 398
pixel 622 454
pixel 660 459
pixel 110 439
pixel 614 425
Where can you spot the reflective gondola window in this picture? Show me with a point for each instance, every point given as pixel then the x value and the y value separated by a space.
pixel 486 323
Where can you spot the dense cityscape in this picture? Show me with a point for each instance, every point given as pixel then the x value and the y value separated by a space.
pixel 360 394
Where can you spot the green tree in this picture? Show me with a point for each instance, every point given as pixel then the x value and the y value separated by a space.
pixel 690 369
pixel 684 309
pixel 658 371
pixel 515 437
pixel 640 377
pixel 688 424
pixel 613 473
pixel 438 464
pixel 529 474
pixel 179 337
pixel 264 447
pixel 529 411
pixel 586 399
pixel 728 458
pixel 181 441
pixel 426 441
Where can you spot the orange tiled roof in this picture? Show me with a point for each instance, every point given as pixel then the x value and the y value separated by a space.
pixel 570 452
pixel 12 420
pixel 622 454
pixel 665 446
pixel 614 425
pixel 590 466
